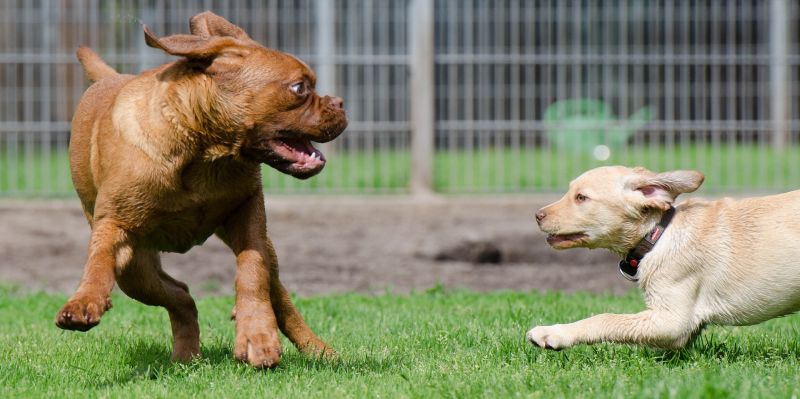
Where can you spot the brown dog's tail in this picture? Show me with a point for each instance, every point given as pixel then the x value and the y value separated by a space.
pixel 94 66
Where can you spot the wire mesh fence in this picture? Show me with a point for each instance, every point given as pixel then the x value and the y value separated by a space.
pixel 526 94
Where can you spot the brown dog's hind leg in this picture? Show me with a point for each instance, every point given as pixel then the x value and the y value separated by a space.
pixel 144 280
pixel 294 327
pixel 108 248
pixel 290 321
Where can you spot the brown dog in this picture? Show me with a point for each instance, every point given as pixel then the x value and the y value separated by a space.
pixel 164 159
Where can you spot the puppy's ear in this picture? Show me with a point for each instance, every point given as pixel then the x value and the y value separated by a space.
pixel 208 24
pixel 660 190
pixel 190 46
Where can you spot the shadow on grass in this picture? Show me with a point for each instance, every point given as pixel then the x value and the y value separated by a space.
pixel 150 360
pixel 711 347
pixel 147 359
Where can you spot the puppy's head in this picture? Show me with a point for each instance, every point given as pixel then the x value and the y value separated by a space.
pixel 611 207
pixel 256 102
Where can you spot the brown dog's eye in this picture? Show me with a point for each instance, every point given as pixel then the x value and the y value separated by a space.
pixel 299 88
pixel 581 198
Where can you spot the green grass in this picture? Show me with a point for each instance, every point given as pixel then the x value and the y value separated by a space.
pixel 744 168
pixel 35 172
pixel 430 344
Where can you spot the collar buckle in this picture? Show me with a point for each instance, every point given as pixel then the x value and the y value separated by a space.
pixel 629 269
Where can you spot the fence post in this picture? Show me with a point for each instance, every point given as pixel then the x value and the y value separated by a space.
pixel 326 43
pixel 422 90
pixel 326 50
pixel 779 78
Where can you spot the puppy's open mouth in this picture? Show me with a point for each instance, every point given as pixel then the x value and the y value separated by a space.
pixel 303 157
pixel 295 156
pixel 563 241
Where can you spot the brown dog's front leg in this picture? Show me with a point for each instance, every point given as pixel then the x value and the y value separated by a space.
pixel 257 340
pixel 108 248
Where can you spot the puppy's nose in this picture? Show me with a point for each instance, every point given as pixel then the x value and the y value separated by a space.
pixel 540 216
pixel 336 102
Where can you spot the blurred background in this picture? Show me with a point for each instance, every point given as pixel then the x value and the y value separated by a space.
pixel 456 96
pixel 444 97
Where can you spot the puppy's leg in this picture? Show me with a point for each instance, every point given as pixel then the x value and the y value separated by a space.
pixel 290 321
pixel 661 329
pixel 143 279
pixel 257 340
pixel 108 248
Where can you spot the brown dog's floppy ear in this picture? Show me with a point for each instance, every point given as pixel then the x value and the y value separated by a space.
pixel 660 190
pixel 208 24
pixel 189 46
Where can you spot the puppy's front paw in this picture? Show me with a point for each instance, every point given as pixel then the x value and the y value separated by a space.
pixel 82 313
pixel 550 337
pixel 261 348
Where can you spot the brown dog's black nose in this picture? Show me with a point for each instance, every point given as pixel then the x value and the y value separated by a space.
pixel 540 216
pixel 336 102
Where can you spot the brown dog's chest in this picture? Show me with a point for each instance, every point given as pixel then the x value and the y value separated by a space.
pixel 185 216
pixel 180 231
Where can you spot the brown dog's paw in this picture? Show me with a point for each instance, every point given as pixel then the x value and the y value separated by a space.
pixel 82 314
pixel 185 352
pixel 318 350
pixel 261 350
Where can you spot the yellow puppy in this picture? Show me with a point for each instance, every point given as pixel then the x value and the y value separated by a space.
pixel 727 262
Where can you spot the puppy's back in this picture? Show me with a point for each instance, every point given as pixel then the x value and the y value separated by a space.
pixel 92 117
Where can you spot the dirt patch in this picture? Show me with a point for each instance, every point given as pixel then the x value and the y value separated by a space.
pixel 520 248
pixel 328 245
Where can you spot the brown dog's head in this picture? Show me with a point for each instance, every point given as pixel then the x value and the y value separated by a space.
pixel 247 100
pixel 609 207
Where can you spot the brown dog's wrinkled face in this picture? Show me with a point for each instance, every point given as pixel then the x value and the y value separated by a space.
pixel 605 207
pixel 263 97
pixel 290 116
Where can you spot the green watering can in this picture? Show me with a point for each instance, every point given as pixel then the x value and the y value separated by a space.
pixel 588 127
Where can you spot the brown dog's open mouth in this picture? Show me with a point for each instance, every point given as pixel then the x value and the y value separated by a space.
pixel 300 152
pixel 560 241
pixel 291 155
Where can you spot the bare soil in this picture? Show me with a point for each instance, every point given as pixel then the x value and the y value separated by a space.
pixel 329 245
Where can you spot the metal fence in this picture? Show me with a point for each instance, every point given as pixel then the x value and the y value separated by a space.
pixel 455 95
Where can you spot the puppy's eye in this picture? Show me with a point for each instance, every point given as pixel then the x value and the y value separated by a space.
pixel 298 88
pixel 581 198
